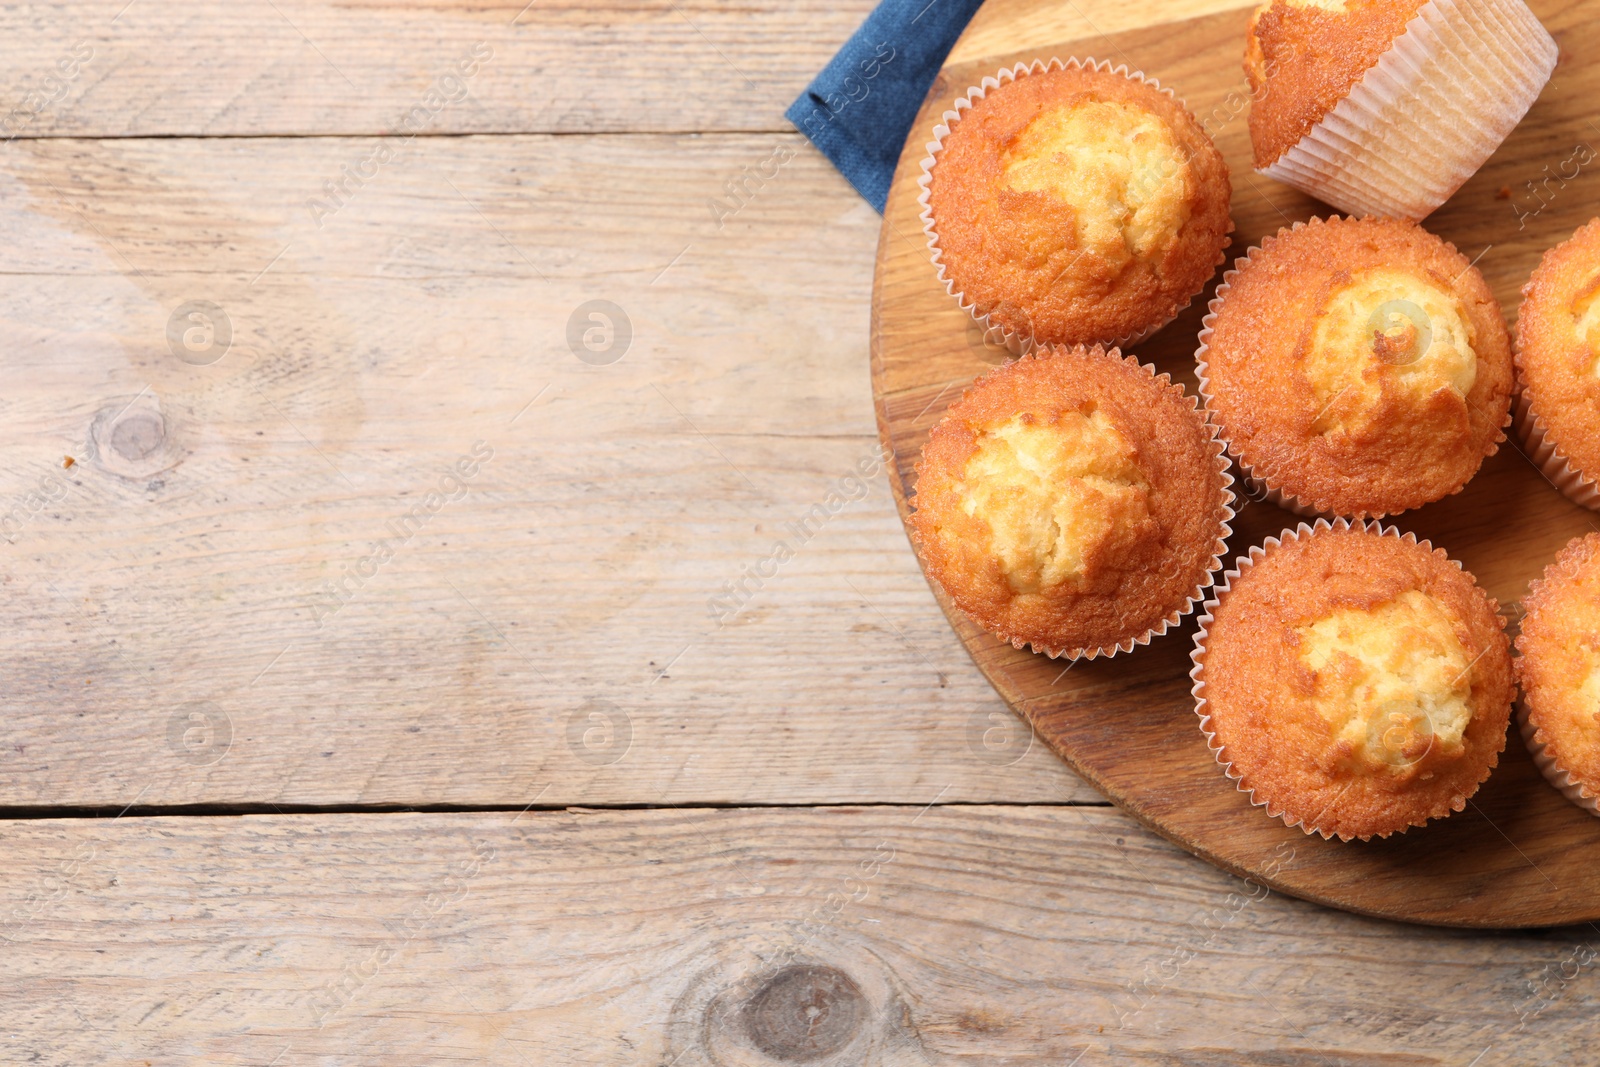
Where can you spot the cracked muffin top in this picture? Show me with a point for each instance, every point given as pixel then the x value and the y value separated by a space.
pixel 1356 680
pixel 1359 365
pixel 1079 205
pixel 1072 501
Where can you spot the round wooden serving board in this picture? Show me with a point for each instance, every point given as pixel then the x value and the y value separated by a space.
pixel 1520 854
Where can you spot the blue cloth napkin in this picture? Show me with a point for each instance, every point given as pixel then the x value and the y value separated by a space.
pixel 859 110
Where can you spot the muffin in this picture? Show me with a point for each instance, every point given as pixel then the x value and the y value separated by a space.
pixel 1558 365
pixel 1073 204
pixel 1559 668
pixel 1073 501
pixel 1354 681
pixel 1356 367
pixel 1385 107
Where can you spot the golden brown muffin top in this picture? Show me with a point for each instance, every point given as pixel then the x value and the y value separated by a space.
pixel 1070 500
pixel 1358 681
pixel 1361 365
pixel 1079 205
pixel 1558 346
pixel 1559 664
pixel 1303 56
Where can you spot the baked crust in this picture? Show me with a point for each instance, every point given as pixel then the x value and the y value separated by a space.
pixel 1406 451
pixel 1259 692
pixel 1558 653
pixel 1302 59
pixel 1555 364
pixel 1015 255
pixel 1130 584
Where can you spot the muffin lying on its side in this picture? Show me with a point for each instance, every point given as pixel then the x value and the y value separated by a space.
pixel 1385 107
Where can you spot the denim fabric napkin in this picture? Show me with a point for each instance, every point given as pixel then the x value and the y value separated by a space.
pixel 859 110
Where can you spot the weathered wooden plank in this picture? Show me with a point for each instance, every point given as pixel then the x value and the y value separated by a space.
pixel 166 608
pixel 115 69
pixel 997 935
pixel 111 68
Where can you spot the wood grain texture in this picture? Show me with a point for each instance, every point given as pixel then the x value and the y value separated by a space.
pixel 191 68
pixel 994 29
pixel 1520 854
pixel 374 349
pixel 292 67
pixel 577 573
pixel 996 935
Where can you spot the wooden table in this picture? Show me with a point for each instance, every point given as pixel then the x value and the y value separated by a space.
pixel 375 690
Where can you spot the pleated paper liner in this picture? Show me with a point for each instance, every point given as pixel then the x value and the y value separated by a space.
pixel 1019 342
pixel 1428 114
pixel 1551 768
pixel 1260 484
pixel 1305 821
pixel 1225 530
pixel 1545 454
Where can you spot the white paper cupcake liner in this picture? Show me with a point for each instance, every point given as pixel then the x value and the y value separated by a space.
pixel 1212 567
pixel 1308 824
pixel 1553 772
pixel 1541 450
pixel 1259 483
pixel 1428 114
pixel 1016 341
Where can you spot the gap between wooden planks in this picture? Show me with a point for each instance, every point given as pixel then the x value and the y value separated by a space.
pixel 999 935
pixel 168 611
pixel 554 622
pixel 1015 933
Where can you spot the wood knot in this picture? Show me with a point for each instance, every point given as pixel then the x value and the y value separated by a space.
pixel 792 995
pixel 133 438
pixel 805 1013
pixel 138 436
